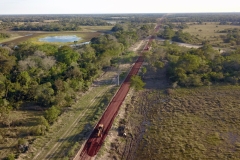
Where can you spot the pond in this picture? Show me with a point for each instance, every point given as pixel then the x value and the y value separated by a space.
pixel 63 39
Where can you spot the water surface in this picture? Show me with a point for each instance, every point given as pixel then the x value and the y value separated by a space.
pixel 64 39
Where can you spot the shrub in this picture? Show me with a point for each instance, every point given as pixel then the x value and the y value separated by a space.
pixel 10 157
pixel 51 114
pixel 38 130
pixel 137 82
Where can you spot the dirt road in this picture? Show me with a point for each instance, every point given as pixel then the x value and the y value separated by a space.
pixel 94 143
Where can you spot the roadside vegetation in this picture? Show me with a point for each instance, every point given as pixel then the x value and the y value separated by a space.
pixel 172 120
pixel 189 107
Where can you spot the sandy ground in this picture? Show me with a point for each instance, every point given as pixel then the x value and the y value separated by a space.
pixel 192 45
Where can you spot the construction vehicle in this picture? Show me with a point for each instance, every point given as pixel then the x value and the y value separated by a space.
pixel 99 130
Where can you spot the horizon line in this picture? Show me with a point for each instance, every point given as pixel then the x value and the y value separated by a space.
pixel 111 13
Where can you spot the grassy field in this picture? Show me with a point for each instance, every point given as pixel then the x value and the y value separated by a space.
pixel 194 123
pixel 72 127
pixel 95 28
pixel 14 35
pixel 9 136
pixel 208 31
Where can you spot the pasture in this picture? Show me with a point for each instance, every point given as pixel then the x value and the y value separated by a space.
pixel 209 31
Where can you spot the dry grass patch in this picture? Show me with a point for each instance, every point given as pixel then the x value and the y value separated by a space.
pixel 195 123
pixel 209 31
pixel 95 28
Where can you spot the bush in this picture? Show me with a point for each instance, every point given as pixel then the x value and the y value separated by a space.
pixel 43 122
pixel 137 82
pixel 52 114
pixel 10 157
pixel 38 130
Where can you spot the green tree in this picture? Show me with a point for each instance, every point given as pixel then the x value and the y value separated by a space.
pixel 44 94
pixel 87 54
pixel 189 62
pixel 67 55
pixel 168 33
pixel 137 82
pixel 43 122
pixel 24 78
pixel 6 61
pixel 2 85
pixel 52 114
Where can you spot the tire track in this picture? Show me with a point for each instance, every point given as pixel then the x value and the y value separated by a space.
pixel 58 144
pixel 68 131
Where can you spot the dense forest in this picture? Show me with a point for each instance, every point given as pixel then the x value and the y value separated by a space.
pixel 47 27
pixel 234 18
pixel 49 76
pixel 195 67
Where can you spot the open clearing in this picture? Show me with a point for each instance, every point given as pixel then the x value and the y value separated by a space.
pixel 87 33
pixel 195 123
pixel 95 28
pixel 209 31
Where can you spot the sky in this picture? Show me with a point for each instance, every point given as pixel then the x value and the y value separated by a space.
pixel 116 6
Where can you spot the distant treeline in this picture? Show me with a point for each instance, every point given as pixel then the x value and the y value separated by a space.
pixel 205 17
pixel 69 22
pixel 84 18
pixel 46 27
